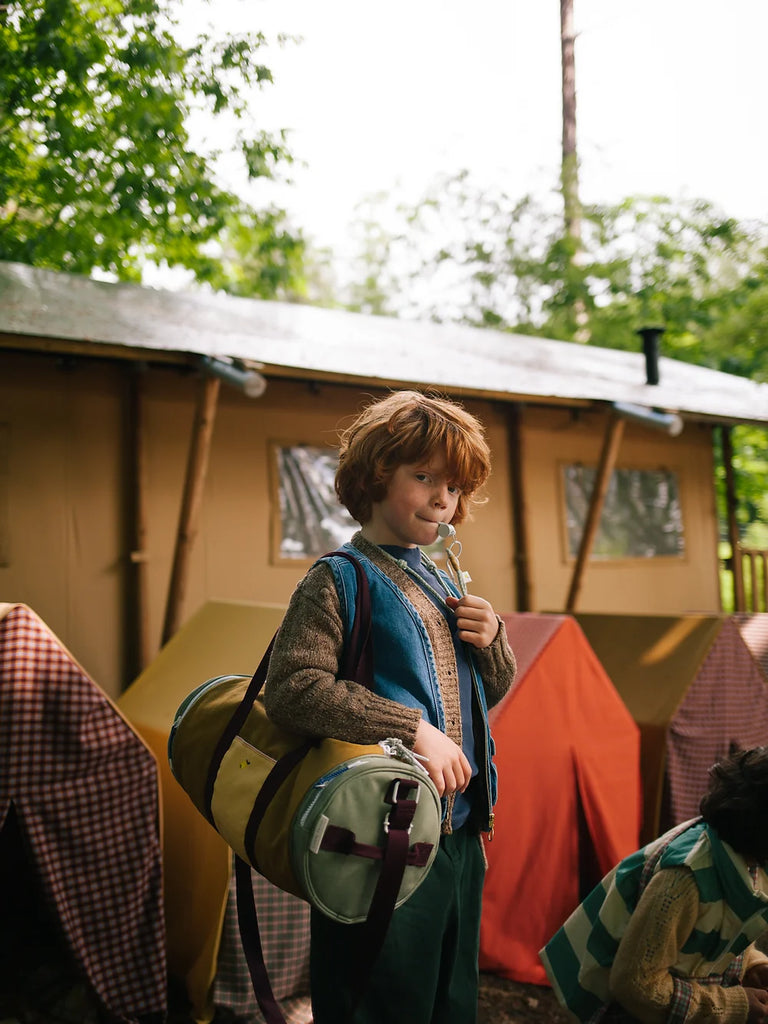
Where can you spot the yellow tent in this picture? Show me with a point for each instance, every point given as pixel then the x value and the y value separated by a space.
pixel 222 637
pixel 695 690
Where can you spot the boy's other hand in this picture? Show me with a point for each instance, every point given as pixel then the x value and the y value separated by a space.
pixel 475 618
pixel 446 762
pixel 757 999
pixel 756 977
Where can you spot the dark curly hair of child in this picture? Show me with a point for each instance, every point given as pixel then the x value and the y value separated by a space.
pixel 736 805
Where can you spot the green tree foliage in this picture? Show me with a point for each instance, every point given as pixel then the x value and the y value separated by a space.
pixel 373 285
pixel 477 256
pixel 256 256
pixel 97 170
pixel 737 341
pixel 461 253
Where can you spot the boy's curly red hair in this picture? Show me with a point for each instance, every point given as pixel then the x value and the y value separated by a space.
pixel 407 427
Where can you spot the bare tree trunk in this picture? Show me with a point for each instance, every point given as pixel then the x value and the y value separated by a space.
pixel 570 163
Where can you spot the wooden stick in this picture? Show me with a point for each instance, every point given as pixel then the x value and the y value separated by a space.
pixel 731 502
pixel 611 443
pixel 197 468
pixel 138 525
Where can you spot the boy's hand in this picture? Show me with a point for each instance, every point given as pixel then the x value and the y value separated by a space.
pixel 757 999
pixel 446 762
pixel 756 977
pixel 475 618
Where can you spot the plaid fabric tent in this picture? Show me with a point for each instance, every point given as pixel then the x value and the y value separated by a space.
pixel 754 629
pixel 695 690
pixel 83 789
pixel 567 753
pixel 284 935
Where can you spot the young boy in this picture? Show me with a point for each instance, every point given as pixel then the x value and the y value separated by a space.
pixel 669 935
pixel 408 463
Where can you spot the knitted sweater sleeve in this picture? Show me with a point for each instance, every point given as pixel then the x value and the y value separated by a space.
pixel 497 666
pixel 302 693
pixel 640 978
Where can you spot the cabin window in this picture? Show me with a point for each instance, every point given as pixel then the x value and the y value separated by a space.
pixel 308 520
pixel 641 515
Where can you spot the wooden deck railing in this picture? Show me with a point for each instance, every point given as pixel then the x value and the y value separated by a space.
pixel 750 580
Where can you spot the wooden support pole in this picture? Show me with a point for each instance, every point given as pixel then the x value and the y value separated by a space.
pixel 519 521
pixel 197 468
pixel 755 595
pixel 614 432
pixel 139 654
pixel 731 503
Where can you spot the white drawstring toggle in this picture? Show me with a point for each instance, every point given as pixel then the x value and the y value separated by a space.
pixel 444 531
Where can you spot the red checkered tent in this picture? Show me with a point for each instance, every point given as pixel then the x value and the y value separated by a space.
pixel 568 756
pixel 79 788
pixel 754 629
pixel 696 691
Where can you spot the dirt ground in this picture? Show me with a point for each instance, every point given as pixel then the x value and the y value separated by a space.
pixel 508 1002
pixel 47 996
pixel 501 1002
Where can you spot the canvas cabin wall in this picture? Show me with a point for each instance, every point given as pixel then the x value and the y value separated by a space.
pixel 64 505
pixel 554 438
pixel 66 495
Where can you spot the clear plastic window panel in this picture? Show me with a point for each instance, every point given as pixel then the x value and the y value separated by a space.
pixel 312 520
pixel 641 516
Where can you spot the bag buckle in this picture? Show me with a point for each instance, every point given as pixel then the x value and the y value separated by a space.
pixel 386 826
pixel 394 795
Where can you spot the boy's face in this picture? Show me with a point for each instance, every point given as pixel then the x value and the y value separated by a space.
pixel 420 495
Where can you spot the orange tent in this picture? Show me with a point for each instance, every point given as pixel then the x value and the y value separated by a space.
pixel 567 752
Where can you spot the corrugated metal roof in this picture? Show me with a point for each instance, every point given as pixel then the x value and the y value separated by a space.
pixel 303 341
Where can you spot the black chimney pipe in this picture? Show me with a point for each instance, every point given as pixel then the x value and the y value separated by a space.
pixel 651 336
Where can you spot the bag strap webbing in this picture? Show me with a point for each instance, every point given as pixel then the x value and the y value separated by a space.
pixel 343 841
pixel 358 666
pixel 250 937
pixel 388 885
pixel 233 727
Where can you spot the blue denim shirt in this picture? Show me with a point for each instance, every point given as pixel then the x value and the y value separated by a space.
pixel 405 669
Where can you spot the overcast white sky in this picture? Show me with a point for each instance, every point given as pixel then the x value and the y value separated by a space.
pixel 671 97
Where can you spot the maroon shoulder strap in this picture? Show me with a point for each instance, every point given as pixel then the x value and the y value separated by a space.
pixel 358 652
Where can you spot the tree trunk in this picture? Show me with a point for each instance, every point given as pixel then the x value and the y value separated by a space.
pixel 570 163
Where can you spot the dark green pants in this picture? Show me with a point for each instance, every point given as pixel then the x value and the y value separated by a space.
pixel 427 971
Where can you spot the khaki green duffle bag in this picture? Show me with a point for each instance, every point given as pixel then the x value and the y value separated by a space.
pixel 314 817
pixel 352 829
